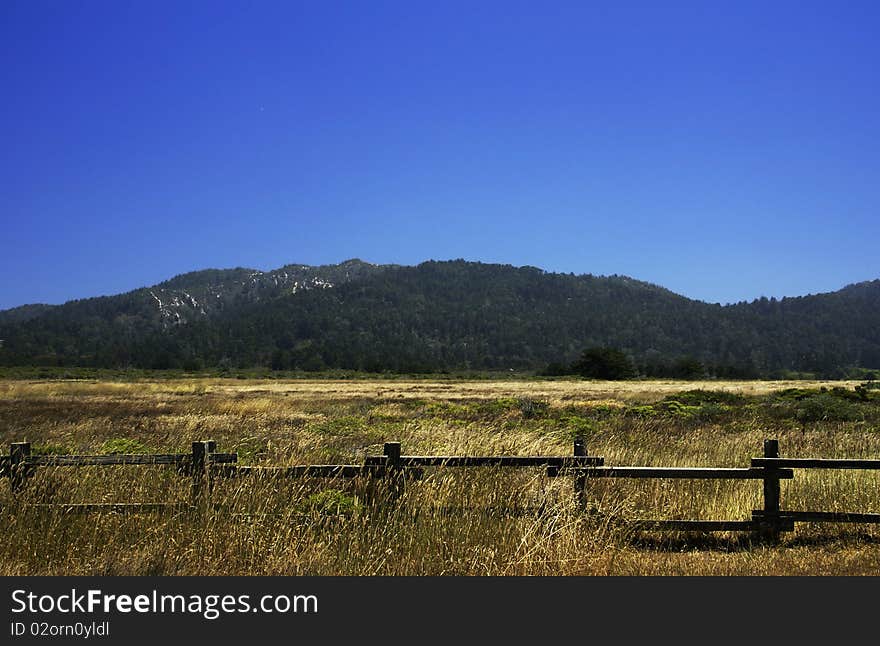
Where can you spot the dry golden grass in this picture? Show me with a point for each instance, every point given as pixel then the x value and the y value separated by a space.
pixel 473 522
pixel 552 390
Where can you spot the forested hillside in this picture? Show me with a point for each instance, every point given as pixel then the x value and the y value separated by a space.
pixel 443 316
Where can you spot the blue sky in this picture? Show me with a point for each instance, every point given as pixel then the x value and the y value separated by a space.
pixel 723 150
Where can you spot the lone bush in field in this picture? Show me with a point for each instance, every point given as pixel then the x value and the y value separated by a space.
pixel 817 406
pixel 51 449
pixel 532 408
pixel 330 501
pixel 701 397
pixel 826 408
pixel 604 363
pixel 123 446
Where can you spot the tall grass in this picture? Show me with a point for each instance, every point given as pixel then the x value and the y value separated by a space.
pixel 483 521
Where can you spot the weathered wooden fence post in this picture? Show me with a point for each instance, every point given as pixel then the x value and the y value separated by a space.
pixel 771 492
pixel 580 478
pixel 18 471
pixel 210 448
pixel 200 479
pixel 393 468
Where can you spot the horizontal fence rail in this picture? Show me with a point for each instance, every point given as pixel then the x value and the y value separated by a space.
pixel 203 465
pixel 300 471
pixel 178 459
pixel 822 516
pixel 490 461
pixel 684 473
pixel 115 507
pixel 815 463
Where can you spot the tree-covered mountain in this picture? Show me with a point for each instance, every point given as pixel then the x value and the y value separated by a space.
pixel 23 313
pixel 444 316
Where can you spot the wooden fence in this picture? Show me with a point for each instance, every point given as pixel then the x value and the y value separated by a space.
pixel 203 465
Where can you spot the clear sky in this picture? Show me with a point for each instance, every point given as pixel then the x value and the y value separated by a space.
pixel 724 150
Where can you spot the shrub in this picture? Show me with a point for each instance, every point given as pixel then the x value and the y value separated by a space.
pixel 825 408
pixel 794 393
pixel 330 501
pixel 870 390
pixel 700 397
pixel 532 408
pixel 641 411
pixel 813 406
pixel 250 449
pixel 123 445
pixel 604 363
pixel 577 426
pixel 51 449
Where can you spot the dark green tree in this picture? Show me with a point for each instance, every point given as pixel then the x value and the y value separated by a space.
pixel 604 363
pixel 689 368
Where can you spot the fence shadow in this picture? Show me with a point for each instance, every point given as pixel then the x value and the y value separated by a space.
pixel 702 542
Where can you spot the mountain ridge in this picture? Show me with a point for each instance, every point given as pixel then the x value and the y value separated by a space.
pixel 176 281
pixel 441 315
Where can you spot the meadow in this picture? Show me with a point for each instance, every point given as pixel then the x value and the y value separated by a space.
pixel 483 521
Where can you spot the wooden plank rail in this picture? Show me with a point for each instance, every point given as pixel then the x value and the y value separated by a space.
pixel 508 461
pixel 822 516
pixel 682 473
pixel 301 471
pixel 511 511
pixel 816 463
pixel 178 459
pixel 115 507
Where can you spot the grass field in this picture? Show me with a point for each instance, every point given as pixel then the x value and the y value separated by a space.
pixel 452 521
